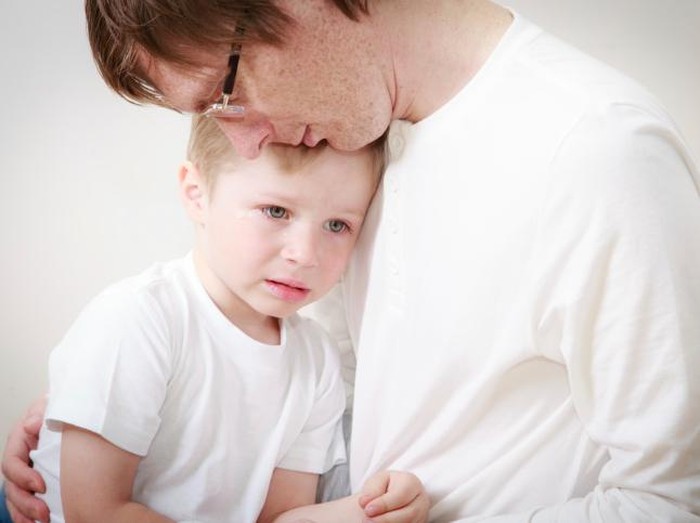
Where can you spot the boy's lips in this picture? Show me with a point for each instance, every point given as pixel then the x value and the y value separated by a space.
pixel 288 290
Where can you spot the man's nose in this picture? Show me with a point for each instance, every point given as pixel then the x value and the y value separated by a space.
pixel 301 246
pixel 247 137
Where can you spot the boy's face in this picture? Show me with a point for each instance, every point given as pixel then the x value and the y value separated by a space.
pixel 270 241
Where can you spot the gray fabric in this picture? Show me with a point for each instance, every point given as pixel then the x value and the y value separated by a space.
pixel 335 483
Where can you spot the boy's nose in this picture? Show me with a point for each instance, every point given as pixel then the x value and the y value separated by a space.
pixel 301 247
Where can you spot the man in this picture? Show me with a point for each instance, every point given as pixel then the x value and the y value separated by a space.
pixel 524 303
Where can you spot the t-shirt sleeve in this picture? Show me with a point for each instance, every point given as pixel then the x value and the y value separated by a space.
pixel 110 372
pixel 321 445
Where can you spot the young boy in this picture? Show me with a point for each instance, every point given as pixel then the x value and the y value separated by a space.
pixel 194 392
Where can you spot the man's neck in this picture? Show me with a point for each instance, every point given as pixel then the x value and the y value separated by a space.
pixel 438 47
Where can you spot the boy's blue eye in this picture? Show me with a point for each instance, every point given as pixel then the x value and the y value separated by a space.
pixel 275 212
pixel 336 226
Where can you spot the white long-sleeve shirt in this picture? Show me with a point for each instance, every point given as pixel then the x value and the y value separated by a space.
pixel 525 300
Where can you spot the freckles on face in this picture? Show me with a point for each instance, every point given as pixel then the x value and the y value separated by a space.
pixel 311 102
pixel 287 99
pixel 323 83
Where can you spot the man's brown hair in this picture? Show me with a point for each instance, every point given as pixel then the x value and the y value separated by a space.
pixel 167 29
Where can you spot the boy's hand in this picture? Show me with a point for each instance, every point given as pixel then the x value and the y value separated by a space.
pixel 21 480
pixel 394 497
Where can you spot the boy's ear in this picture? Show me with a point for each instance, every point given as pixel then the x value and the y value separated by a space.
pixel 193 191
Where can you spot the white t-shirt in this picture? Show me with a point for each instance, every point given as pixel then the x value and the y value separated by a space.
pixel 525 300
pixel 154 367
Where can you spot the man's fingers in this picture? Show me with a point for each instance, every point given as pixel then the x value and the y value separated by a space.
pixel 38 408
pixel 32 425
pixel 15 515
pixel 15 462
pixel 24 507
pixel 20 476
pixel 22 481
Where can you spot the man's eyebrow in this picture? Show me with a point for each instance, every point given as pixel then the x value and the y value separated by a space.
pixel 200 104
pixel 206 86
pixel 205 90
pixel 202 97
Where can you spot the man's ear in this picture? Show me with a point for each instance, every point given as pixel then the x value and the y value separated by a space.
pixel 193 191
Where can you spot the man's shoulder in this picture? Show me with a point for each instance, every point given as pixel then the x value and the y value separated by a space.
pixel 564 71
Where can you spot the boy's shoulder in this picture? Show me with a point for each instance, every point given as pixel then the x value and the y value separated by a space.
pixel 161 284
pixel 155 299
pixel 158 278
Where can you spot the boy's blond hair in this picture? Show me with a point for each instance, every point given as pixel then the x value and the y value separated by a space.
pixel 213 154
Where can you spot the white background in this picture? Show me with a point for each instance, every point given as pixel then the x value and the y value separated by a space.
pixel 88 192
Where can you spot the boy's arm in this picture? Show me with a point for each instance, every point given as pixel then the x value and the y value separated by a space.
pixel 291 496
pixel 97 478
pixel 387 497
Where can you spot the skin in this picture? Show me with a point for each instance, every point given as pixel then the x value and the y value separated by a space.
pixel 334 105
pixel 333 80
pixel 23 506
pixel 297 231
pixel 338 80
pixel 387 497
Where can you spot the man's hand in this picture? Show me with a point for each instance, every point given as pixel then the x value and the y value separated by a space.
pixel 22 481
pixel 394 497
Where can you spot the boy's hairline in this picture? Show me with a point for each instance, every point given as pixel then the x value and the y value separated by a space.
pixel 289 159
pixel 213 155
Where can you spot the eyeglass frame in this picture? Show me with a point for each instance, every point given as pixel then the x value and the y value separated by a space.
pixel 222 107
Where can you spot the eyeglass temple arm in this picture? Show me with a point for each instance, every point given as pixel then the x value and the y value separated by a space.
pixel 233 67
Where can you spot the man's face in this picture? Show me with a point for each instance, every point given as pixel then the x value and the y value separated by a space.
pixel 323 83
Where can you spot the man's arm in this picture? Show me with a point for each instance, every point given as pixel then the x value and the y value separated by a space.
pixel 626 316
pixel 21 480
pixel 97 478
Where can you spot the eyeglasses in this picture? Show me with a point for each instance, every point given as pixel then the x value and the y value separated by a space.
pixel 222 108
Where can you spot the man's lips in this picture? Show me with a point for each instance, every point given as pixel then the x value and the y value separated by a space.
pixel 288 290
